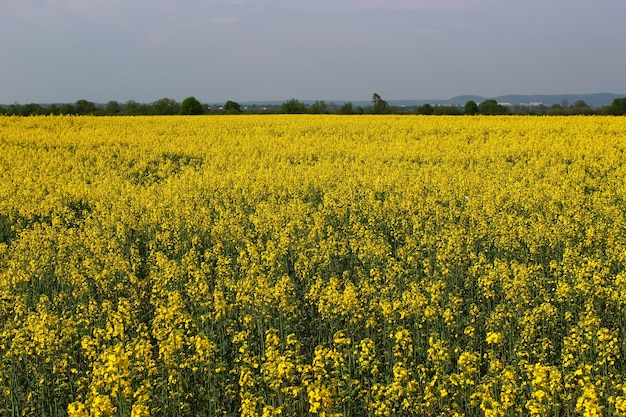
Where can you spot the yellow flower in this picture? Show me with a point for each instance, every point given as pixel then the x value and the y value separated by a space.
pixel 140 410
pixel 494 338
pixel 77 409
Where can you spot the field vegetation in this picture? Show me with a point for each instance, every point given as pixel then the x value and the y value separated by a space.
pixel 312 265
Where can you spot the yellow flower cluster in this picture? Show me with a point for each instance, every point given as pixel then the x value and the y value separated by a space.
pixel 283 265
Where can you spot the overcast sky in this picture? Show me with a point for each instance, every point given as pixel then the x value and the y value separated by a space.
pixel 242 50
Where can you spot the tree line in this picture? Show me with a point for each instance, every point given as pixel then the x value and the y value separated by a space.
pixel 192 106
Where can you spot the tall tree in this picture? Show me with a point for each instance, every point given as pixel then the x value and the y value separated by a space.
pixel 293 106
pixel 346 108
pixel 232 107
pixel 319 107
pixel 618 107
pixel 84 107
pixel 165 106
pixel 379 106
pixel 112 108
pixel 425 109
pixel 191 106
pixel 580 107
pixel 67 108
pixel 491 107
pixel 132 108
pixel 470 107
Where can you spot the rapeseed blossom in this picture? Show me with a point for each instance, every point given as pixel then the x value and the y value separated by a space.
pixel 312 265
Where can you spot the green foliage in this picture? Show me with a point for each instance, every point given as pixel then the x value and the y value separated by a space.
pixel 232 107
pixel 379 106
pixel 447 110
pixel 67 108
pixel 165 106
pixel 112 108
pixel 191 106
pixel 31 109
pixel 132 108
pixel 491 107
pixel 346 108
pixel 580 107
pixel 85 107
pixel 425 109
pixel 470 107
pixel 293 106
pixel 319 107
pixel 618 107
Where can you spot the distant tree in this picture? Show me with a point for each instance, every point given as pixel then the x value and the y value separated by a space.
pixel 232 107
pixel 3 110
pixel 67 108
pixel 617 108
pixel 402 109
pixel 191 106
pixel 293 106
pixel 491 107
pixel 426 109
pixel 470 107
pixel 17 109
pixel 165 106
pixel 519 109
pixel 14 109
pixel 346 108
pixel 112 108
pixel 30 109
pixel 332 107
pixel 447 110
pixel 319 107
pixel 580 107
pixel 132 108
pixel 35 109
pixel 52 109
pixel 83 107
pixel 379 106
pixel 555 110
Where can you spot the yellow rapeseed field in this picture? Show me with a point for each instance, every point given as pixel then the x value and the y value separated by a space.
pixel 312 265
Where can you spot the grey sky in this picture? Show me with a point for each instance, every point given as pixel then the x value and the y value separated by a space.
pixel 217 50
